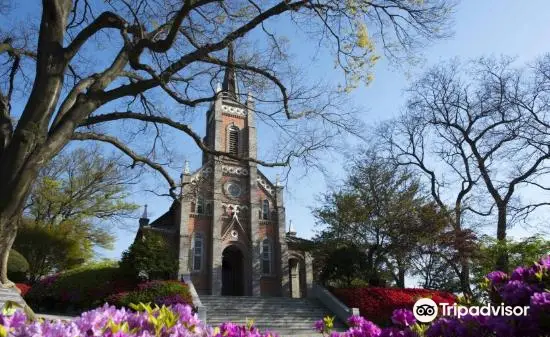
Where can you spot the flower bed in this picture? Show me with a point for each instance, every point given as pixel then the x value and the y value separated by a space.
pixel 524 287
pixel 108 321
pixel 158 292
pixel 378 304
pixel 23 288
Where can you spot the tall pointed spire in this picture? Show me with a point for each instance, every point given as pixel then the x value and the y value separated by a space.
pixel 229 85
pixel 144 220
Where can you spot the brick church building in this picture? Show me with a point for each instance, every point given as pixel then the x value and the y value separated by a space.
pixel 228 225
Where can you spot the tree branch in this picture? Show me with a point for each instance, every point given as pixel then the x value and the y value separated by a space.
pixel 179 126
pixel 126 150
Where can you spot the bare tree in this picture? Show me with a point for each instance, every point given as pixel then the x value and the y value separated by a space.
pixel 486 122
pixel 408 142
pixel 72 71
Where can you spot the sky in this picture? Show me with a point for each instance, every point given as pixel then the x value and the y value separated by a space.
pixel 481 28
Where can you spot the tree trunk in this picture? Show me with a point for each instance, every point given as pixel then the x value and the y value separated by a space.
pixel 465 280
pixel 8 230
pixel 14 190
pixel 401 277
pixel 502 256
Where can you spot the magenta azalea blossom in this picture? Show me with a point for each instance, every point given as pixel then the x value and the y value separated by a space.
pixel 403 317
pixel 497 277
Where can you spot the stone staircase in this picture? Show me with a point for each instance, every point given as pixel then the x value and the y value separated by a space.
pixel 285 316
pixel 11 294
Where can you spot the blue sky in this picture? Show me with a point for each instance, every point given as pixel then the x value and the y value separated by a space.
pixel 482 28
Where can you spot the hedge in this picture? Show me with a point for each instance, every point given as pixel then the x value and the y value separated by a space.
pixel 377 304
pixel 157 292
pixel 78 289
pixel 17 266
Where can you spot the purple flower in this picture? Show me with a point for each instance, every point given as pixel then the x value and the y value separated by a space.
pixel 545 262
pixel 320 326
pixel 360 327
pixel 501 326
pixel 523 274
pixel 395 332
pixel 540 302
pixel 403 317
pixel 355 320
pixel 516 292
pixel 497 277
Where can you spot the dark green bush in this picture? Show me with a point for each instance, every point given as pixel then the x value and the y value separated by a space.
pixel 17 266
pixel 78 289
pixel 157 292
pixel 150 256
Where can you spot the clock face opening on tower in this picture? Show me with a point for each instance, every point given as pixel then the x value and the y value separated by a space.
pixel 233 189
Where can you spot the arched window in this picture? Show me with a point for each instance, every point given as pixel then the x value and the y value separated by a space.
pixel 265 209
pixel 198 243
pixel 233 140
pixel 266 257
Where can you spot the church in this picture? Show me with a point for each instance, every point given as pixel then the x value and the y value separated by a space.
pixel 228 225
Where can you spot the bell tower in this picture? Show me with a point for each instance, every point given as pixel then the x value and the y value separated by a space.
pixel 230 123
pixel 230 128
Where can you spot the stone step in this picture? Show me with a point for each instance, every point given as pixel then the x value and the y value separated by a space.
pixel 285 316
pixel 250 308
pixel 252 298
pixel 266 315
pixel 306 304
pixel 300 304
pixel 263 319
pixel 273 314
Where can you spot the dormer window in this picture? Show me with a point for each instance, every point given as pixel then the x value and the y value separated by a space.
pixel 233 140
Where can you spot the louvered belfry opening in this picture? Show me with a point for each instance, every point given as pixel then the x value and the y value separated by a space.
pixel 234 140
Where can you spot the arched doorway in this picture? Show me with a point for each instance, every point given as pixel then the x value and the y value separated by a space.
pixel 232 271
pixel 295 278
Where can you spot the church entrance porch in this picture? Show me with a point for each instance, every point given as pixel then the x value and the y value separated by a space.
pixel 296 277
pixel 232 271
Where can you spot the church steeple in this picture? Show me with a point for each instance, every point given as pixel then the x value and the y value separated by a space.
pixel 229 85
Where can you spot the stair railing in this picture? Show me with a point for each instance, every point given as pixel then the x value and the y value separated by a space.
pixel 201 309
pixel 340 310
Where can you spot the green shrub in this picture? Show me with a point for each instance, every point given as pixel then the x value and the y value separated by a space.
pixel 17 266
pixel 78 289
pixel 149 255
pixel 157 292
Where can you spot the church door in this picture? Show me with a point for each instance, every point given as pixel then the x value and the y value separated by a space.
pixel 232 272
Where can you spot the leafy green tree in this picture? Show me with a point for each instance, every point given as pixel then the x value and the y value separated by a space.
pixel 79 186
pixel 521 252
pixel 343 266
pixel 77 197
pixel 437 262
pixel 377 210
pixel 151 257
pixel 51 248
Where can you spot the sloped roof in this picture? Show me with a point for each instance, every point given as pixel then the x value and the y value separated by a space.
pixel 168 219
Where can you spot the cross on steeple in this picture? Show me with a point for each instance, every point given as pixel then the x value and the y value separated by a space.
pixel 229 85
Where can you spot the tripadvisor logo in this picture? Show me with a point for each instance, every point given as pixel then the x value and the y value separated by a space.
pixel 425 310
